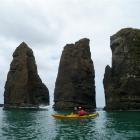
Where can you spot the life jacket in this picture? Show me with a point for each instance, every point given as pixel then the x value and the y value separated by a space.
pixel 82 113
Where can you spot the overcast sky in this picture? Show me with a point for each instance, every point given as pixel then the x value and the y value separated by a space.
pixel 47 25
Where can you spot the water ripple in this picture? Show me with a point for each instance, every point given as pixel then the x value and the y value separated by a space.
pixel 40 125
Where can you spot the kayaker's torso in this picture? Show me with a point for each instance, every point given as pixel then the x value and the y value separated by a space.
pixel 82 113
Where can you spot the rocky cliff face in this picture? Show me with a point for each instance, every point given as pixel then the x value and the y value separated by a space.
pixel 122 81
pixel 75 84
pixel 23 86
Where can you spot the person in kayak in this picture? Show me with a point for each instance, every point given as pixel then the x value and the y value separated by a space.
pixel 82 112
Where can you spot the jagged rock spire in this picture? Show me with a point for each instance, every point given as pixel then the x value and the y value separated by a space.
pixel 24 86
pixel 75 85
pixel 122 80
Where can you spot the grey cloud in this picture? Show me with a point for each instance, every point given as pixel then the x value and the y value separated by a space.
pixel 3 76
pixel 22 22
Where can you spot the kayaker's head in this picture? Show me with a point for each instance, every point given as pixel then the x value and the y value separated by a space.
pixel 79 107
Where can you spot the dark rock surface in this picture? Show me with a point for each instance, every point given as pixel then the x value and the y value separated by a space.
pixel 122 81
pixel 24 87
pixel 75 84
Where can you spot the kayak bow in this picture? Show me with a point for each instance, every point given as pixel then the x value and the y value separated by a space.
pixel 75 116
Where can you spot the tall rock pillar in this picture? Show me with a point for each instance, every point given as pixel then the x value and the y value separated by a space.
pixel 24 87
pixel 75 85
pixel 122 80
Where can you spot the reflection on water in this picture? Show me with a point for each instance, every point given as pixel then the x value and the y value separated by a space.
pixel 40 125
pixel 124 125
pixel 119 125
pixel 19 124
pixel 25 124
pixel 74 130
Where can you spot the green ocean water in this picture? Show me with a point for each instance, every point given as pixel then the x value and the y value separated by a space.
pixel 40 125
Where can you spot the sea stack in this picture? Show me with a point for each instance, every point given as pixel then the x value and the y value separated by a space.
pixel 75 85
pixel 24 87
pixel 122 80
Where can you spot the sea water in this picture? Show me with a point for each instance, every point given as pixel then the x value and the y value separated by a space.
pixel 24 124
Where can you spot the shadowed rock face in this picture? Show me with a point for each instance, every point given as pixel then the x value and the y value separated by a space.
pixel 75 84
pixel 24 87
pixel 122 81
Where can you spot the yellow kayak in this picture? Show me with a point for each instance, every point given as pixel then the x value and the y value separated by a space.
pixel 75 116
